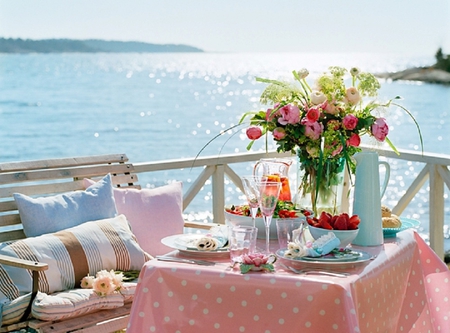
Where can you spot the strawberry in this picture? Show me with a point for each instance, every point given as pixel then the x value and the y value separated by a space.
pixel 324 224
pixel 341 222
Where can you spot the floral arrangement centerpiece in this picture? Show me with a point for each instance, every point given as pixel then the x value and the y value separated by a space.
pixel 323 125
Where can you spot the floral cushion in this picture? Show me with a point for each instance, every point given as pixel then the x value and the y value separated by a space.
pixel 153 213
pixel 71 254
pixel 53 213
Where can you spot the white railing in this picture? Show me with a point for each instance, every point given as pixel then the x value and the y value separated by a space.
pixel 216 168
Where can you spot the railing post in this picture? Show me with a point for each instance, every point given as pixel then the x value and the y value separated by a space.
pixel 218 194
pixel 436 211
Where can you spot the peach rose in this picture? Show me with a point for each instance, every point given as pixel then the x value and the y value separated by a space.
pixel 352 95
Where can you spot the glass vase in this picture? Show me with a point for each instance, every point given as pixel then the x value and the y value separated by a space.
pixel 320 187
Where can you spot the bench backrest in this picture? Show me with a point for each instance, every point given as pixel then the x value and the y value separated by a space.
pixel 53 176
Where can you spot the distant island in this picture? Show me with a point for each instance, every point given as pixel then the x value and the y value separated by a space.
pixel 87 46
pixel 437 73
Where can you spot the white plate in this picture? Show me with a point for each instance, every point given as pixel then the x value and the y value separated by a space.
pixel 406 224
pixel 355 260
pixel 183 243
pixel 350 256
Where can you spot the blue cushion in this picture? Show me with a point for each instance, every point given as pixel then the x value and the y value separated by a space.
pixel 54 213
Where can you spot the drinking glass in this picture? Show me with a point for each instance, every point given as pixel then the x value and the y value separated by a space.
pixel 268 198
pixel 251 190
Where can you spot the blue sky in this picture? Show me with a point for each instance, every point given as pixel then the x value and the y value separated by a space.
pixel 398 26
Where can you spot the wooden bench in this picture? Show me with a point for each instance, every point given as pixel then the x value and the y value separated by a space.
pixel 50 177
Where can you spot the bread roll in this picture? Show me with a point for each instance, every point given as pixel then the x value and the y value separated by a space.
pixel 385 211
pixel 392 221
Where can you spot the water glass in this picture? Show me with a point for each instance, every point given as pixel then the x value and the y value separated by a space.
pixel 288 230
pixel 242 240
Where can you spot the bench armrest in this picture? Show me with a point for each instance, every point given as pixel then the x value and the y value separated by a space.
pixel 22 263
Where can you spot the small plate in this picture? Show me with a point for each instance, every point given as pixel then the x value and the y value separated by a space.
pixel 183 244
pixel 406 224
pixel 358 258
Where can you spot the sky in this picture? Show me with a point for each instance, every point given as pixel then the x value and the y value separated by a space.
pixel 417 27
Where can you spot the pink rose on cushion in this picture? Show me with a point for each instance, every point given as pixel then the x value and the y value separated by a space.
pixel 313 114
pixel 279 133
pixel 253 133
pixel 350 121
pixel 354 140
pixel 290 114
pixel 312 129
pixel 380 129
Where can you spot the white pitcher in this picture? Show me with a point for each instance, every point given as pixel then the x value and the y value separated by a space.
pixel 367 198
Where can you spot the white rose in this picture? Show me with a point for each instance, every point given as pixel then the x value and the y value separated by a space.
pixel 317 97
pixel 352 95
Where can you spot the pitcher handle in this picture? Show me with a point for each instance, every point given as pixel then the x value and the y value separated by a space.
pixel 386 177
pixel 255 168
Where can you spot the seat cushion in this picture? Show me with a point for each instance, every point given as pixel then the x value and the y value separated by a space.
pixel 77 302
pixel 153 213
pixel 71 255
pixel 58 212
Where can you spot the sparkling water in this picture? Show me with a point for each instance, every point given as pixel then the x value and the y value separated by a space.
pixel 168 106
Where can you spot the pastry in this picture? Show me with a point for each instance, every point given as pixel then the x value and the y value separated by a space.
pixel 392 221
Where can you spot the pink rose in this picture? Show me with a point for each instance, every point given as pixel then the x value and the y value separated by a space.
pixel 279 133
pixel 313 114
pixel 271 114
pixel 337 151
pixel 253 133
pixel 350 121
pixel 380 129
pixel 290 114
pixel 256 259
pixel 312 129
pixel 354 140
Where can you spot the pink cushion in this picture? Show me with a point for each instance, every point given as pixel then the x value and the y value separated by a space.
pixel 152 213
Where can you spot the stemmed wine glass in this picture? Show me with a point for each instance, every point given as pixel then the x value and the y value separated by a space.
pixel 251 189
pixel 269 192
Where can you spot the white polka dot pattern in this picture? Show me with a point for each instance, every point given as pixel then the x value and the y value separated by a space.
pixel 406 289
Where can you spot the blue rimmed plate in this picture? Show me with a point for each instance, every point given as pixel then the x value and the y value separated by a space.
pixel 406 224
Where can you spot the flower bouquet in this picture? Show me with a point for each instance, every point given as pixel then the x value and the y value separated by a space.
pixel 322 125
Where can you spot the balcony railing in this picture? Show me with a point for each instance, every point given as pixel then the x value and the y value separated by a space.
pixel 216 169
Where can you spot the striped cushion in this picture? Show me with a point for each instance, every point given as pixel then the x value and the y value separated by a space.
pixel 71 254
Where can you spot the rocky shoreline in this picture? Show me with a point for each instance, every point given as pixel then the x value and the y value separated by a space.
pixel 424 74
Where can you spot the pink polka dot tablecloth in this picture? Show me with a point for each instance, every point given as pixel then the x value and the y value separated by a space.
pixel 405 288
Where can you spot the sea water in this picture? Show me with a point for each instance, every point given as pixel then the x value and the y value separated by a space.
pixel 169 106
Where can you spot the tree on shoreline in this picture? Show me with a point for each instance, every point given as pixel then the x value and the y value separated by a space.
pixel 442 61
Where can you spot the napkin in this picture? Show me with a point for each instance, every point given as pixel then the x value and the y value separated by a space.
pixel 216 238
pixel 320 247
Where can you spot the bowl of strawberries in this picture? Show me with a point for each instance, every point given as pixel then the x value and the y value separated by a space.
pixel 344 226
